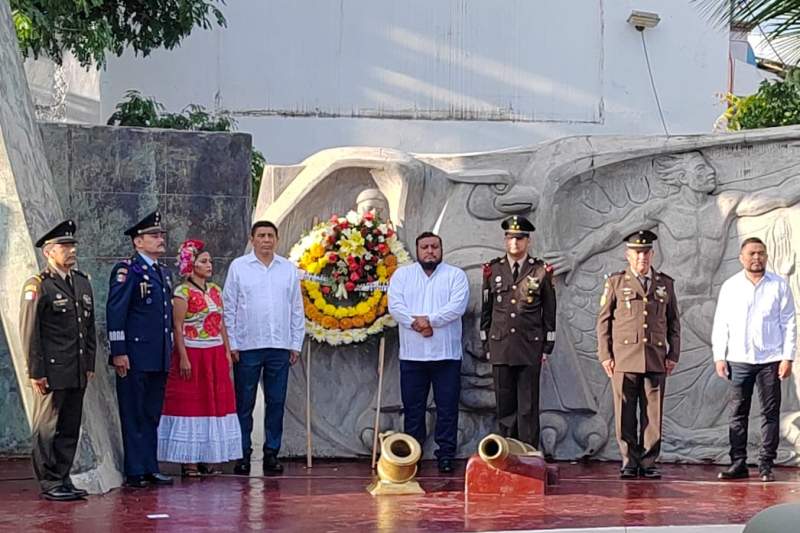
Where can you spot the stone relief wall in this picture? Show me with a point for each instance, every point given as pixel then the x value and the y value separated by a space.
pixel 701 194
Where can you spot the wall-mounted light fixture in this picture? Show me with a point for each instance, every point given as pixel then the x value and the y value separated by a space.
pixel 643 19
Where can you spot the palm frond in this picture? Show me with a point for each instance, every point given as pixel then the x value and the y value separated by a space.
pixel 779 20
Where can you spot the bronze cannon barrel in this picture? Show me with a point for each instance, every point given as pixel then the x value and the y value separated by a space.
pixel 399 456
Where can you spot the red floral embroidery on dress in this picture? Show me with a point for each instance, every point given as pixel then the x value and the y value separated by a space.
pixel 212 323
pixel 216 297
pixel 197 302
pixel 190 332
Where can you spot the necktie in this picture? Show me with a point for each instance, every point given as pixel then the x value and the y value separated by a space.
pixel 643 281
pixel 516 271
pixel 69 282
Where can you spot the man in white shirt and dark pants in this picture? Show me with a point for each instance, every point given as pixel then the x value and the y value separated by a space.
pixel 263 310
pixel 428 299
pixel 753 342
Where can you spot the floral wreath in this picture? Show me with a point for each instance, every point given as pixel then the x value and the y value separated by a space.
pixel 346 264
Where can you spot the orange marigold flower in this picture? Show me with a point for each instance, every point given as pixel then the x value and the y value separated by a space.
pixel 390 260
pixel 358 322
pixel 346 323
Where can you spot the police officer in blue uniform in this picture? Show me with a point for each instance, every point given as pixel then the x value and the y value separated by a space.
pixel 139 318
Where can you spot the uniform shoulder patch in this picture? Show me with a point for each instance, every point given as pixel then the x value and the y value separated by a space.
pixel 120 272
pixel 31 290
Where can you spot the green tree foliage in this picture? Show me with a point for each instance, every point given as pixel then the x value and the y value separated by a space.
pixel 140 111
pixel 91 29
pixel 776 103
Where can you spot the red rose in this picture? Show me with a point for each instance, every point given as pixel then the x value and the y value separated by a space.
pixel 325 289
pixel 190 332
pixel 212 324
pixel 389 232
pixel 197 302
pixel 216 297
pixel 369 215
pixel 354 276
pixel 383 248
pixel 350 286
pixel 332 258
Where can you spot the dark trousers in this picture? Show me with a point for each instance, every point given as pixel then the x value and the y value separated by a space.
pixel 642 394
pixel 743 377
pixel 416 378
pixel 271 366
pixel 56 427
pixel 516 389
pixel 141 397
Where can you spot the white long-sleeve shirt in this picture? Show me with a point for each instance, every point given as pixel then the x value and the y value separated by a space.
pixel 442 297
pixel 263 306
pixel 754 323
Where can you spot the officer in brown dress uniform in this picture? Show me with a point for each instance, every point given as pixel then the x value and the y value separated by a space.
pixel 518 324
pixel 639 339
pixel 58 340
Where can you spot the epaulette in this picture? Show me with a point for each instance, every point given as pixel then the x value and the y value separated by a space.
pixel 614 274
pixel 84 274
pixel 487 267
pixel 666 276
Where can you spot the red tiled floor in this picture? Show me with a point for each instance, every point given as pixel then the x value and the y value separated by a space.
pixel 331 497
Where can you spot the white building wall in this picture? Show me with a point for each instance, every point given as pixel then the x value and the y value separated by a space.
pixel 437 76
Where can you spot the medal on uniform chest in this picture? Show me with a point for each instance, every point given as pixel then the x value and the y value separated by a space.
pixel 533 287
pixel 499 298
pixel 143 289
pixel 661 293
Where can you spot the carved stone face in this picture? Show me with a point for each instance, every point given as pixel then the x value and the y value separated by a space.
pixel 700 176
pixel 372 199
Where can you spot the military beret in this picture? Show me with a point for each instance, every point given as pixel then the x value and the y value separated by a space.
pixel 518 225
pixel 642 239
pixel 64 233
pixel 149 224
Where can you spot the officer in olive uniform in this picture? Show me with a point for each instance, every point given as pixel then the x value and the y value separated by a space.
pixel 139 318
pixel 638 336
pixel 58 340
pixel 518 324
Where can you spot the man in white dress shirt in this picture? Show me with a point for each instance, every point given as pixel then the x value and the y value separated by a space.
pixel 753 342
pixel 428 299
pixel 263 310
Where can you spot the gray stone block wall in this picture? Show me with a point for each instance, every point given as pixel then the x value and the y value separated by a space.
pixel 108 178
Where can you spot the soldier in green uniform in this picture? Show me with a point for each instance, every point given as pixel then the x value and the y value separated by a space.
pixel 639 342
pixel 518 324
pixel 58 340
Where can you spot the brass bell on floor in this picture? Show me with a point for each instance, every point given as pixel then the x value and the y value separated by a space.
pixel 397 465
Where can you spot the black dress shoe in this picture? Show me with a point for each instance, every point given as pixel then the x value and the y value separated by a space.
pixel 271 465
pixel 446 466
pixel 60 494
pixel 242 468
pixel 79 492
pixel 158 479
pixel 765 474
pixel 650 472
pixel 136 482
pixel 629 472
pixel 736 471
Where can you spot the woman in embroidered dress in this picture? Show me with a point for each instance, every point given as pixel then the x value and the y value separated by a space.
pixel 199 426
